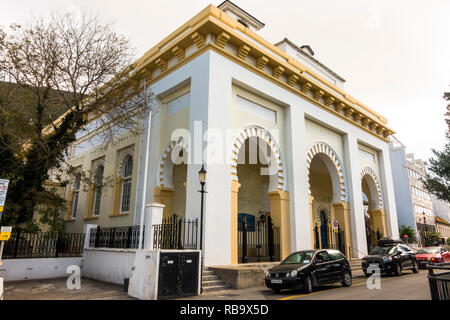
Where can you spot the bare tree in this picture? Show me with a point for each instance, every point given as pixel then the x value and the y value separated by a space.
pixel 57 76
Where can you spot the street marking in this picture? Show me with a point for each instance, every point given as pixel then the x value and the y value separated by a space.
pixel 353 285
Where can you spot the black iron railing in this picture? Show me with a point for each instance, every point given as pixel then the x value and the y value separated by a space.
pixel 117 237
pixel 439 282
pixel 23 245
pixel 337 241
pixel 259 242
pixel 175 233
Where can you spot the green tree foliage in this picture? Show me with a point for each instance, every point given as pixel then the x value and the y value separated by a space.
pixel 432 238
pixel 408 230
pixel 71 65
pixel 438 180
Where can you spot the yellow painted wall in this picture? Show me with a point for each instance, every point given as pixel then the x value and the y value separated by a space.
pixel 242 119
pixel 364 162
pixel 318 133
pixel 85 162
pixel 177 120
pixel 252 196
pixel 179 193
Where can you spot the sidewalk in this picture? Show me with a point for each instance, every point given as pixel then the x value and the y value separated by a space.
pixel 255 293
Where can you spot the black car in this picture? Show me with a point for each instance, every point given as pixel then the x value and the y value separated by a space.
pixel 308 269
pixel 390 256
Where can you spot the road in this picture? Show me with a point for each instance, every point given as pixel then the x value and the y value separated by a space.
pixel 409 286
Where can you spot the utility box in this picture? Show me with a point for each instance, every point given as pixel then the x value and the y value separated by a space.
pixel 178 274
pixel 165 274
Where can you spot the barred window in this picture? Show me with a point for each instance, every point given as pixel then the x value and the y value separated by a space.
pixel 98 190
pixel 126 184
pixel 76 193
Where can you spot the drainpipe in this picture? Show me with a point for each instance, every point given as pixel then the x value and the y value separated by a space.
pixel 144 188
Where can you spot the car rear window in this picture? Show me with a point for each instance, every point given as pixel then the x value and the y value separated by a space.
pixel 335 256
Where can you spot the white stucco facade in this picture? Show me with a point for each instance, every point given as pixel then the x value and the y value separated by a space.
pixel 228 101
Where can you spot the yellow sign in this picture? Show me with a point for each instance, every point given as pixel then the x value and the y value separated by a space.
pixel 1 209
pixel 5 233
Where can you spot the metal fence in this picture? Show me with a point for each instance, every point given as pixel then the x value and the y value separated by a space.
pixel 117 237
pixel 439 282
pixel 336 240
pixel 23 245
pixel 258 242
pixel 175 233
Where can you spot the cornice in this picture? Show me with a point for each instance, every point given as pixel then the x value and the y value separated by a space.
pixel 213 29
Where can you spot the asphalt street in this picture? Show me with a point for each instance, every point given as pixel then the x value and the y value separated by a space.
pixel 409 286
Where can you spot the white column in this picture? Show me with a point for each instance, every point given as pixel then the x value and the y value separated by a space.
pixel 1 288
pixel 153 216
pixel 387 186
pixel 87 234
pixel 357 221
pixel 217 211
pixel 198 122
pixel 298 179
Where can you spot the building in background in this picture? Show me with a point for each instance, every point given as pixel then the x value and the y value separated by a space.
pixel 442 211
pixel 414 203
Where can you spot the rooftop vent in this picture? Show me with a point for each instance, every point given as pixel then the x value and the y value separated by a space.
pixel 240 15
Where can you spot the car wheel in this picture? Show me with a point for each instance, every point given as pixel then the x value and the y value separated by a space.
pixel 307 287
pixel 398 269
pixel 415 267
pixel 277 290
pixel 346 279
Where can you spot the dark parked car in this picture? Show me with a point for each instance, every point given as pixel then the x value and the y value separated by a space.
pixel 308 269
pixel 390 256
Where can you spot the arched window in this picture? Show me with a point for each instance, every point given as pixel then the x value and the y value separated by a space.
pixel 98 190
pixel 127 173
pixel 76 193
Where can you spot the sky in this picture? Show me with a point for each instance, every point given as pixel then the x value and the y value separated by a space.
pixel 394 54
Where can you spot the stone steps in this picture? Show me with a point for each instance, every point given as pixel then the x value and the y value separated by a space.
pixel 211 282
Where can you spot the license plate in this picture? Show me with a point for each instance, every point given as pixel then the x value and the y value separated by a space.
pixel 373 265
pixel 277 281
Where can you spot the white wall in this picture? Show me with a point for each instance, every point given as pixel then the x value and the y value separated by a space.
pixel 33 269
pixel 108 265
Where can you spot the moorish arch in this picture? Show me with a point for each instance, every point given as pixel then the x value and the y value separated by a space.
pixel 278 181
pixel 374 185
pixel 171 178
pixel 122 160
pixel 328 202
pixel 165 164
pixel 375 216
pixel 259 190
pixel 335 168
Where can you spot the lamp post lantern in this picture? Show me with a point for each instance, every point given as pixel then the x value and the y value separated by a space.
pixel 426 231
pixel 202 178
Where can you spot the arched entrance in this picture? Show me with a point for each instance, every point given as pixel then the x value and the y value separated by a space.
pixel 329 209
pixel 171 186
pixel 258 198
pixel 375 217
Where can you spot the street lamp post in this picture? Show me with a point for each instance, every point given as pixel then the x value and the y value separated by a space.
pixel 426 231
pixel 202 178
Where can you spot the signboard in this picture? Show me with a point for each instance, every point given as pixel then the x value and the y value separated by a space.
pixel 3 190
pixel 250 221
pixel 5 233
